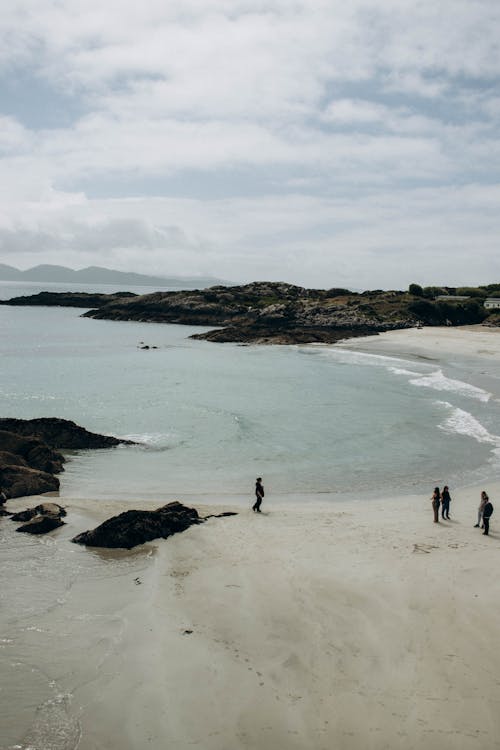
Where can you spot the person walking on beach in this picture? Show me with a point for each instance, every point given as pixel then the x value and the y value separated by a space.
pixel 484 500
pixel 445 502
pixel 435 503
pixel 487 511
pixel 259 494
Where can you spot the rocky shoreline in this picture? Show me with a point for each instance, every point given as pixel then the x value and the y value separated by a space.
pixel 30 452
pixel 274 312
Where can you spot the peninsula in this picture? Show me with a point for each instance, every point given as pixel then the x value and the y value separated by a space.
pixel 281 313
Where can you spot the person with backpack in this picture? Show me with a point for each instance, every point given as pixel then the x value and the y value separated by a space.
pixel 487 511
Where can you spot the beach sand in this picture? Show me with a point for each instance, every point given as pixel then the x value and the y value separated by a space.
pixel 364 625
pixel 346 625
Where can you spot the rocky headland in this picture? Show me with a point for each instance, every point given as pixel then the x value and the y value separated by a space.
pixel 276 312
pixel 30 452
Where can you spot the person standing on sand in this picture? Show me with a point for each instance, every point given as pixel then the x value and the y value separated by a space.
pixel 445 502
pixel 484 500
pixel 435 503
pixel 487 511
pixel 259 494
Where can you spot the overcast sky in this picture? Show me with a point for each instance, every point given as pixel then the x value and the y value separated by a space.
pixel 321 142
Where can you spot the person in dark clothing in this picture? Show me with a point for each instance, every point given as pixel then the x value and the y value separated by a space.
pixel 445 502
pixel 259 494
pixel 435 503
pixel 487 511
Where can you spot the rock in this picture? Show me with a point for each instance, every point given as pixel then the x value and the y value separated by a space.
pixel 24 515
pixel 60 433
pixel 19 481
pixel 66 299
pixel 41 525
pixel 11 459
pixel 44 509
pixel 33 450
pixel 135 527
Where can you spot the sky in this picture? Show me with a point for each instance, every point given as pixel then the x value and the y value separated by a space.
pixel 319 142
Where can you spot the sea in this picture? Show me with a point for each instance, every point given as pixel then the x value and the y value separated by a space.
pixel 316 422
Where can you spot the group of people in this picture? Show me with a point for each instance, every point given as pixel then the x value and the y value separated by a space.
pixel 443 499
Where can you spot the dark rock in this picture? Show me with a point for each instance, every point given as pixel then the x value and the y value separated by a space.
pixel 44 509
pixel 4 512
pixel 19 481
pixel 24 515
pixel 33 450
pixel 11 459
pixel 135 527
pixel 66 299
pixel 41 525
pixel 60 433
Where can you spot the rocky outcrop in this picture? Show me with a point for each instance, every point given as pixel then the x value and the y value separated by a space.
pixel 41 525
pixel 135 527
pixel 33 451
pixel 60 433
pixel 66 299
pixel 20 481
pixel 28 455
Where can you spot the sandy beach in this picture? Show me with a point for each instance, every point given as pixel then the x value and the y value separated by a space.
pixel 362 625
pixel 346 624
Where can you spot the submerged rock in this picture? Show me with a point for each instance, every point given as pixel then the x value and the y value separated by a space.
pixel 41 525
pixel 135 527
pixel 44 509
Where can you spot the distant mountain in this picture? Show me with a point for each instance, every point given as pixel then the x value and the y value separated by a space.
pixel 96 275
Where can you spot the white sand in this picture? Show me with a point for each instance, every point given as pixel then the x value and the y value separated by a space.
pixel 350 625
pixel 475 341
pixel 364 625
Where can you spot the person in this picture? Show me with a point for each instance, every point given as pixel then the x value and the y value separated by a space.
pixel 487 511
pixel 435 503
pixel 484 500
pixel 259 494
pixel 445 502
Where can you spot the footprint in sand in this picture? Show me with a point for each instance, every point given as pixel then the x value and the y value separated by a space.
pixel 424 548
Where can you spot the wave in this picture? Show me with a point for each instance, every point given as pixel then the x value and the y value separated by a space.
pixel 351 357
pixel 460 422
pixel 439 382
pixel 158 441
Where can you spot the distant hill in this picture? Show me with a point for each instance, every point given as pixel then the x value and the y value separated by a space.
pixel 98 275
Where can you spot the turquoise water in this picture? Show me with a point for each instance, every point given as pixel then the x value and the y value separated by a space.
pixel 210 417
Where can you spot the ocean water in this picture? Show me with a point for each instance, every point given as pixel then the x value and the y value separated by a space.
pixel 207 418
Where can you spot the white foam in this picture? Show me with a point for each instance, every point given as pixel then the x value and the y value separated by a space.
pixel 460 422
pixel 351 357
pixel 156 440
pixel 439 382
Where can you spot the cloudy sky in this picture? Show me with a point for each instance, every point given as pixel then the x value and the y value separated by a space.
pixel 321 142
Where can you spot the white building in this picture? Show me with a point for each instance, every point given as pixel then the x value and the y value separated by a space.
pixel 492 302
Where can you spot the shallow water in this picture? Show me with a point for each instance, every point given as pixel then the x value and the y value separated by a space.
pixel 208 418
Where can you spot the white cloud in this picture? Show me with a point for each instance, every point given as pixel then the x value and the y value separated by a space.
pixel 358 129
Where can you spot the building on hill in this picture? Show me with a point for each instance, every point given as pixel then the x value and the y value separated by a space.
pixel 492 302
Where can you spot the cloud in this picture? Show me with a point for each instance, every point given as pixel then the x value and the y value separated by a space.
pixel 327 136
